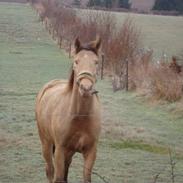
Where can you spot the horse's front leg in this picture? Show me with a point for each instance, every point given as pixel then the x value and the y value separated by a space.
pixel 89 160
pixel 47 153
pixel 59 164
pixel 68 160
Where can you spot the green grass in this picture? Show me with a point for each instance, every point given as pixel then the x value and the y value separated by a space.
pixel 135 134
pixel 129 144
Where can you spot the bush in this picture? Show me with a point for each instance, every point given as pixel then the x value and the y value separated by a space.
pixel 123 48
pixel 167 84
pixel 140 70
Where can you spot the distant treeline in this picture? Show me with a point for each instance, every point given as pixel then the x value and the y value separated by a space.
pixel 107 3
pixel 169 5
pixel 165 5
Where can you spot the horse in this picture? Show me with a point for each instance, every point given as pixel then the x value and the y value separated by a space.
pixel 68 115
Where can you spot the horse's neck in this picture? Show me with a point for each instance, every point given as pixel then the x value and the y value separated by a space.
pixel 80 106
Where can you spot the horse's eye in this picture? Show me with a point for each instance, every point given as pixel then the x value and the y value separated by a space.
pixel 96 62
pixel 76 62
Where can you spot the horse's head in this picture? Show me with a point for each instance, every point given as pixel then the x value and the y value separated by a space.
pixel 85 65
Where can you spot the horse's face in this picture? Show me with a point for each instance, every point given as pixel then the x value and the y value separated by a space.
pixel 85 66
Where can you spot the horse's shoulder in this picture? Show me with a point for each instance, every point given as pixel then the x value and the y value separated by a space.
pixel 50 85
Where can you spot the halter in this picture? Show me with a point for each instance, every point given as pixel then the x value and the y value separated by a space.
pixel 86 74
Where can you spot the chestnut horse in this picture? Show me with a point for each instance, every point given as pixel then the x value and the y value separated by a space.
pixel 68 115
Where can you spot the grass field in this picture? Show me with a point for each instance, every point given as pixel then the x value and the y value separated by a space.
pixel 135 136
pixel 163 34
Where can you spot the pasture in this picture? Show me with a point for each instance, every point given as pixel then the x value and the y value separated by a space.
pixel 136 135
pixel 163 34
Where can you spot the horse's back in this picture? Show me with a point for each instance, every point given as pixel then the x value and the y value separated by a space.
pixel 50 85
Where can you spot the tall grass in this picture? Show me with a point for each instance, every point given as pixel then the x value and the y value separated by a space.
pixel 167 84
pixel 160 81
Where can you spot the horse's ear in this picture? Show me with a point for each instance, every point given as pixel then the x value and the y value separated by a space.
pixel 77 45
pixel 96 44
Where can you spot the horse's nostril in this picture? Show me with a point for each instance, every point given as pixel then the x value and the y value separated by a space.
pixel 82 87
pixel 90 87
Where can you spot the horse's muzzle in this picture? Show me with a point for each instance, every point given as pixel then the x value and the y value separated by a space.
pixel 85 88
pixel 85 81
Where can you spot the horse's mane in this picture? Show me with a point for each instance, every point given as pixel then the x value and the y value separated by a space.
pixel 71 79
pixel 88 47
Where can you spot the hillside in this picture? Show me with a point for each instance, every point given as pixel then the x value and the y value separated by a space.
pixel 142 5
pixel 70 2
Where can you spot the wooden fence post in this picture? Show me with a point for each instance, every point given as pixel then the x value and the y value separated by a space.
pixel 127 75
pixel 102 68
pixel 70 45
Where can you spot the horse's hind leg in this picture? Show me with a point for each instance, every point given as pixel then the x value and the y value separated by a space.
pixel 47 149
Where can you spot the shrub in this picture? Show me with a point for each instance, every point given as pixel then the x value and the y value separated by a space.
pixel 123 48
pixel 167 85
pixel 139 72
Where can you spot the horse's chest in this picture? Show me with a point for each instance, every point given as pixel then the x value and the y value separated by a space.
pixel 79 141
pixel 80 135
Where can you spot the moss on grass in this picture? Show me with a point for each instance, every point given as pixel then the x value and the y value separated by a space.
pixel 138 145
